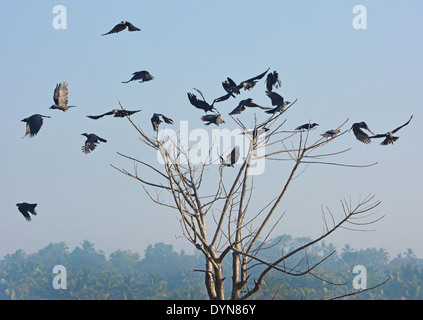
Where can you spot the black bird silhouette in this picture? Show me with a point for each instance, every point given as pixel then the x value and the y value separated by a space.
pixel 60 97
pixel 34 124
pixel 122 26
pixel 231 159
pixel 117 113
pixel 307 126
pixel 26 209
pixel 360 134
pixel 200 104
pixel 278 101
pixel 144 76
pixel 389 136
pixel 91 142
pixel 272 80
pixel 246 103
pixel 212 119
pixel 155 120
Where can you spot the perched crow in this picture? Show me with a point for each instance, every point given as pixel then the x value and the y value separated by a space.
pixel 389 136
pixel 246 103
pixel 33 124
pixel 272 80
pixel 330 133
pixel 60 97
pixel 307 126
pixel 360 134
pixel 117 113
pixel 212 119
pixel 26 209
pixel 91 142
pixel 231 159
pixel 200 104
pixel 144 76
pixel 122 26
pixel 155 121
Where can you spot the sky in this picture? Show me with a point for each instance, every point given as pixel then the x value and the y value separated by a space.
pixel 336 71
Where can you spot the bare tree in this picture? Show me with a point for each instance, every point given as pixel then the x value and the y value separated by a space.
pixel 214 211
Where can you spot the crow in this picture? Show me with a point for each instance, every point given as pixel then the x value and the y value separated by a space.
pixel 91 142
pixel 278 101
pixel 360 134
pixel 200 104
pixel 155 121
pixel 307 126
pixel 231 158
pixel 250 83
pixel 33 124
pixel 212 119
pixel 26 209
pixel 246 103
pixel 144 76
pixel 330 133
pixel 60 97
pixel 272 80
pixel 117 113
pixel 389 136
pixel 122 26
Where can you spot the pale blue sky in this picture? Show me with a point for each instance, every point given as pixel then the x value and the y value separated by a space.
pixel 335 71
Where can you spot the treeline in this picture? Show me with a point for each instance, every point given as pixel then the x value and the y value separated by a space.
pixel 165 274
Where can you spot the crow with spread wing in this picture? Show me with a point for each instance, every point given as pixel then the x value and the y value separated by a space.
pixel 360 134
pixel 246 103
pixel 33 124
pixel 273 80
pixel 389 136
pixel 155 120
pixel 116 113
pixel 60 97
pixel 91 142
pixel 200 104
pixel 231 159
pixel 122 26
pixel 26 209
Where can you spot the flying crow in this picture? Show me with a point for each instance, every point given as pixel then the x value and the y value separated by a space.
pixel 272 80
pixel 212 119
pixel 144 76
pixel 26 209
pixel 360 134
pixel 60 97
pixel 155 120
pixel 91 142
pixel 33 124
pixel 117 113
pixel 231 159
pixel 122 26
pixel 389 136
pixel 246 103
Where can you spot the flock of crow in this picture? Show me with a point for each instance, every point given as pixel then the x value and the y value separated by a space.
pixel 232 89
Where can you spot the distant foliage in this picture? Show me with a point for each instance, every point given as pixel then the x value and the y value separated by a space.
pixel 165 274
